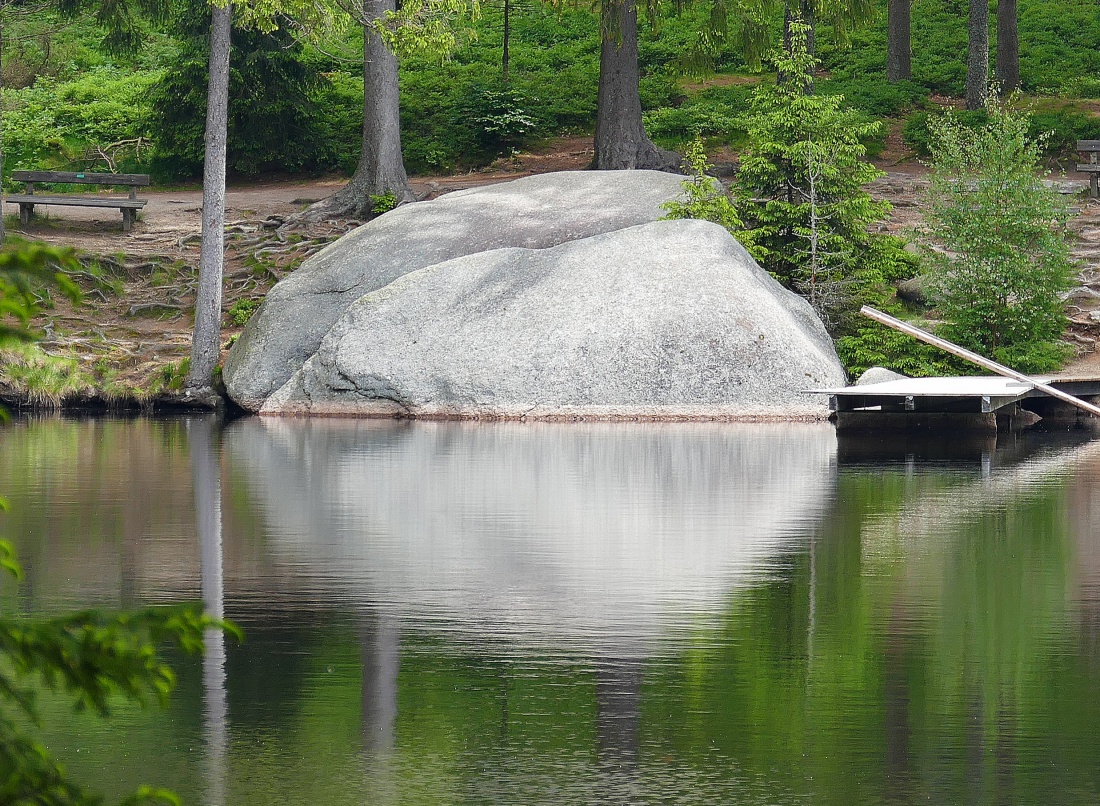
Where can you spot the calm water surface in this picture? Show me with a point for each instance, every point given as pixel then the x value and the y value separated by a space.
pixel 472 613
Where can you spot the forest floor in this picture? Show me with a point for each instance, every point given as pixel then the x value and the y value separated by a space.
pixel 134 325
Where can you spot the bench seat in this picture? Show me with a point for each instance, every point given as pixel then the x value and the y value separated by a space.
pixel 28 201
pixel 77 201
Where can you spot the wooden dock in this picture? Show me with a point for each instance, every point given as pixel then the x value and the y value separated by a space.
pixel 981 404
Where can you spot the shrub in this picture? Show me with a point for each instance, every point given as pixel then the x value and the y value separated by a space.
pixel 241 311
pixel 498 119
pixel 714 114
pixel 1056 130
pixel 703 196
pixel 876 96
pixel 995 240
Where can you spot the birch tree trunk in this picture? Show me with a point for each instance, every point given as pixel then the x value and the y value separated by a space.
pixel 898 41
pixel 977 62
pixel 1007 66
pixel 206 342
pixel 381 167
pixel 621 142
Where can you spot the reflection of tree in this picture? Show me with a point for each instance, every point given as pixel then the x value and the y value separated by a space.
pixel 937 667
pixel 207 485
pixel 618 713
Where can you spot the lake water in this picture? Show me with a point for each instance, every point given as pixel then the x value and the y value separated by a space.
pixel 441 613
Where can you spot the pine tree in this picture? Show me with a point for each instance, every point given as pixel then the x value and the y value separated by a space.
pixel 800 190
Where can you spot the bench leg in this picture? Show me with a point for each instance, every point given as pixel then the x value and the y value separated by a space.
pixel 26 211
pixel 1094 185
pixel 128 217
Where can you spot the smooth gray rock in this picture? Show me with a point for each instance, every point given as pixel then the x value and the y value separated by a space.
pixel 666 320
pixel 879 375
pixel 534 212
pixel 916 289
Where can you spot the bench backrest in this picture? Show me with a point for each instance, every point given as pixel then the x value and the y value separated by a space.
pixel 131 180
pixel 1088 146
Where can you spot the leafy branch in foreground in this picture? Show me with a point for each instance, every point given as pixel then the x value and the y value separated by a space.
pixel 94 658
pixel 26 269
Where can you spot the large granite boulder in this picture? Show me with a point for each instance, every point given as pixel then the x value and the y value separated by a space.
pixel 672 319
pixel 534 212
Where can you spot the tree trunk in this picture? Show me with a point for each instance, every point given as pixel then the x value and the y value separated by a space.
pixel 3 234
pixel 505 56
pixel 977 62
pixel 621 141
pixel 1007 67
pixel 898 41
pixel 206 342
pixel 381 168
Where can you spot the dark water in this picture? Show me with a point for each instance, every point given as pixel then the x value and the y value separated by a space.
pixel 460 613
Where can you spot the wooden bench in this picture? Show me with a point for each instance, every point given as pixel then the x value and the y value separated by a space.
pixel 129 206
pixel 1092 167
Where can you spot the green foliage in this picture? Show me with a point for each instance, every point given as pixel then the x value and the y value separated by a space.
pixel 241 311
pixel 94 658
pixel 499 119
pixel 800 193
pixel 171 376
pixel 869 344
pixel 872 95
pixel 84 121
pixel 1056 128
pixel 379 203
pixel 27 269
pixel 272 103
pixel 995 242
pixel 703 196
pixel 714 114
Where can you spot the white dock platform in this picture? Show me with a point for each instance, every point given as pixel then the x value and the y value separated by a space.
pixel 971 401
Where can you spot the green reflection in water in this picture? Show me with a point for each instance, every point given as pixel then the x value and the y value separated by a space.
pixel 934 641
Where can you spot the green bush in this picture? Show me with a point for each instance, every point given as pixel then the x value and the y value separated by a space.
pixel 496 119
pixel 1060 129
pixel 1056 130
pixel 995 240
pixel 703 197
pixel 917 134
pixel 714 114
pixel 870 344
pixel 875 96
pixel 54 124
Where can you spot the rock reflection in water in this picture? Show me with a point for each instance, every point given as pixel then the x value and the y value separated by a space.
pixel 582 533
